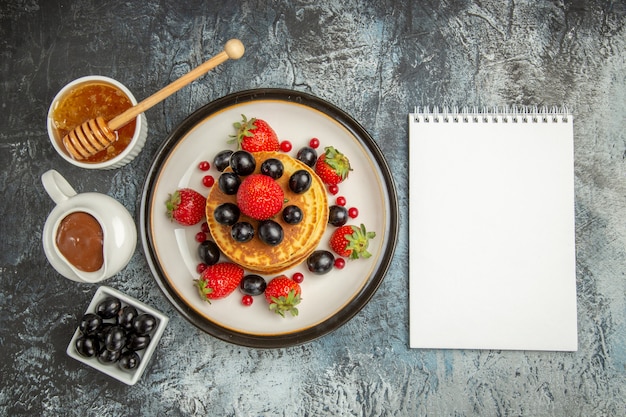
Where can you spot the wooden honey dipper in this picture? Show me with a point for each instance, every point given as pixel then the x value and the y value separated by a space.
pixel 95 135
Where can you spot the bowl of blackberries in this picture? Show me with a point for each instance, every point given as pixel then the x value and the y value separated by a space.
pixel 117 335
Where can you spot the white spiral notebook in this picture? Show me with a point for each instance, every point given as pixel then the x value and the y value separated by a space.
pixel 492 233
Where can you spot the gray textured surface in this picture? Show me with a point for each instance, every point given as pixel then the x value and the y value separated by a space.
pixel 376 60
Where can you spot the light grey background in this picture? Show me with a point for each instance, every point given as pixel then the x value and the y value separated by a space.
pixel 376 60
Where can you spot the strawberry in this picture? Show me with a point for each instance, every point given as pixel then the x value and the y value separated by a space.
pixel 260 197
pixel 255 135
pixel 186 206
pixel 351 241
pixel 283 295
pixel 219 280
pixel 332 166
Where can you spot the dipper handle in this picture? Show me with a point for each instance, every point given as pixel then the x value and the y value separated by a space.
pixel 95 135
pixel 233 49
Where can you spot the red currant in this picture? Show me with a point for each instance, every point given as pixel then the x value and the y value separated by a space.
pixel 204 165
pixel 340 263
pixel 333 189
pixel 353 212
pixel 298 277
pixel 200 237
pixel 341 201
pixel 204 227
pixel 247 300
pixel 208 181
pixel 314 143
pixel 201 267
pixel 285 146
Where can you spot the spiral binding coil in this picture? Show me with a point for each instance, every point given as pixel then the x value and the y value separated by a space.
pixel 506 114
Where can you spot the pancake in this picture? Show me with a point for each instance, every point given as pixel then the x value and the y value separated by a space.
pixel 299 241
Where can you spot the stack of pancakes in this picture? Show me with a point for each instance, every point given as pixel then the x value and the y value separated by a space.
pixel 299 241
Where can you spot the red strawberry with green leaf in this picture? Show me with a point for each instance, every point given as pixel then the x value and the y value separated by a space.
pixel 186 206
pixel 332 166
pixel 255 135
pixel 351 241
pixel 283 295
pixel 260 197
pixel 219 280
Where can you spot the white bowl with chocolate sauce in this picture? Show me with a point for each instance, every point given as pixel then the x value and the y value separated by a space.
pixel 86 98
pixel 87 237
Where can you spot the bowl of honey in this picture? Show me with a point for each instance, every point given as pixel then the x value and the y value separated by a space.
pixel 87 98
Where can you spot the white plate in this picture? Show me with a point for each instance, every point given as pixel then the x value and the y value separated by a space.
pixel 328 301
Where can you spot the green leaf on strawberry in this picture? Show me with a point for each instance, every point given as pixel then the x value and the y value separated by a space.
pixel 219 280
pixel 283 304
pixel 332 166
pixel 255 135
pixel 186 206
pixel 351 241
pixel 283 295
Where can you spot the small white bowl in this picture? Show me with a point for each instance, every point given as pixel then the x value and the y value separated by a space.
pixel 127 155
pixel 127 377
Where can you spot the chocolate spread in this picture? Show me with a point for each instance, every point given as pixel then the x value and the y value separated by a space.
pixel 79 238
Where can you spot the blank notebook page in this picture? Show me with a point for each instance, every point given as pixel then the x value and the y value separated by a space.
pixel 492 236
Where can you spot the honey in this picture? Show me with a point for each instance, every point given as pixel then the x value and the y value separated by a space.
pixel 80 239
pixel 88 101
